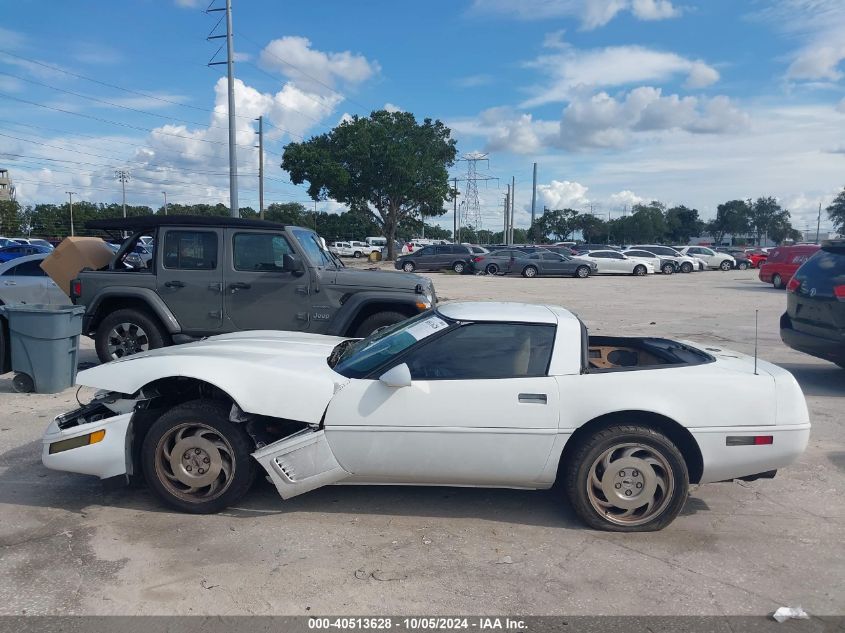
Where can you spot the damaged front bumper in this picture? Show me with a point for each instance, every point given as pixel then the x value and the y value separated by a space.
pixel 92 440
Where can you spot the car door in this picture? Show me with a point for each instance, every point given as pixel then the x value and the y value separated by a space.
pixel 259 293
pixel 189 277
pixel 424 258
pixel 480 410
pixel 554 264
pixel 37 284
pixel 18 287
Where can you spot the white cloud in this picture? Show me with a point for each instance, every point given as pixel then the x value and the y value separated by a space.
pixel 840 107
pixel 474 81
pixel 188 4
pixel 390 107
pixel 625 198
pixel 571 71
pixel 97 54
pixel 563 194
pixel 591 13
pixel 313 70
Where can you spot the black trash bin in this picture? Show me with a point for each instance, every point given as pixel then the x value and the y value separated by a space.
pixel 44 342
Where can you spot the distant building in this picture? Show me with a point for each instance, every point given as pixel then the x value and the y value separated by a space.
pixel 7 189
pixel 809 235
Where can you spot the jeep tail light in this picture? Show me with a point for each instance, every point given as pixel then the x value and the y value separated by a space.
pixel 793 285
pixel 839 292
pixel 76 289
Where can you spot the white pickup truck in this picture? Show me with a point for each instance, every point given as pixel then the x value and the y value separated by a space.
pixel 352 249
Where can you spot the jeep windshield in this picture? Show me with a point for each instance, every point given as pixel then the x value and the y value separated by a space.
pixel 357 358
pixel 313 248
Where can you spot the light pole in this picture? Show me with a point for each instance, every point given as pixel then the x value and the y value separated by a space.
pixel 70 203
pixel 165 202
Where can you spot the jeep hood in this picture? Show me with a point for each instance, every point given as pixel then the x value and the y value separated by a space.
pixel 278 374
pixel 380 279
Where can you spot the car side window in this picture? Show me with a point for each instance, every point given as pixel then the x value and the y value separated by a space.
pixel 485 351
pixel 260 252
pixel 29 269
pixel 190 250
pixel 428 250
pixel 599 255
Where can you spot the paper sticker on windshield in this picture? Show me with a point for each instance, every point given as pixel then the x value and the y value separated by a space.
pixel 426 328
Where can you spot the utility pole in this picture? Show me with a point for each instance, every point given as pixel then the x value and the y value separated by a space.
pixel 230 73
pixel 315 216
pixel 261 167
pixel 70 195
pixel 507 212
pixel 165 202
pixel 819 223
pixel 123 176
pixel 513 201
pixel 455 207
pixel 534 195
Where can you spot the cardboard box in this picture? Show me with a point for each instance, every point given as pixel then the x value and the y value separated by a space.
pixel 72 255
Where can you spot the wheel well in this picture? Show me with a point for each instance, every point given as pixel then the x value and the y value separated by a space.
pixel 113 304
pixel 680 436
pixel 370 309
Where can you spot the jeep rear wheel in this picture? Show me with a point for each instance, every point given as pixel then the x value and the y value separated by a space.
pixel 377 321
pixel 126 332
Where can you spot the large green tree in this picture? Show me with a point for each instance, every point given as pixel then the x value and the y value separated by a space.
pixel 10 217
pixel 836 212
pixel 387 163
pixel 732 217
pixel 555 223
pixel 682 223
pixel 767 216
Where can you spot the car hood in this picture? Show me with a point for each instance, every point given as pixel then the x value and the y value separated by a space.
pixel 382 279
pixel 279 374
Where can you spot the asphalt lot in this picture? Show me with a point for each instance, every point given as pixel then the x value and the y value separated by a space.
pixel 71 545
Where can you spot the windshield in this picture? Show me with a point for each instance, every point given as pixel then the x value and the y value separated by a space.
pixel 313 248
pixel 360 357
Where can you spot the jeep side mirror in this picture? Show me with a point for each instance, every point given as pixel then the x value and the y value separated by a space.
pixel 292 264
pixel 399 376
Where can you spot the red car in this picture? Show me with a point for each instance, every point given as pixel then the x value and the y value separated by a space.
pixel 783 261
pixel 756 258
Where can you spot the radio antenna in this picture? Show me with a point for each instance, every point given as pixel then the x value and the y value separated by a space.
pixel 756 314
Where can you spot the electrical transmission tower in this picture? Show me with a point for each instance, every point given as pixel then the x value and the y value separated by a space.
pixel 471 205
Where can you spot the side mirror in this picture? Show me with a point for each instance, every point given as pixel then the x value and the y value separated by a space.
pixel 399 376
pixel 292 264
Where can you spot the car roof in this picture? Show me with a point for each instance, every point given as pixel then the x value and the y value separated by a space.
pixel 503 311
pixel 20 260
pixel 143 222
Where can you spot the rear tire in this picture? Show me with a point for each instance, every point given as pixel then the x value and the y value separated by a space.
pixel 126 332
pixel 377 321
pixel 640 270
pixel 459 267
pixel 642 464
pixel 195 460
pixel 742 266
pixel 408 267
pixel 529 272
pixel 777 281
pixel 357 254
pixel 492 269
pixel 686 267
pixel 582 272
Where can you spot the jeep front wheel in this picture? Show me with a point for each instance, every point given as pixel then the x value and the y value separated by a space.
pixel 126 332
pixel 377 321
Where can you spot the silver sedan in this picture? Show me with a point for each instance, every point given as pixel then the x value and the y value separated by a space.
pixel 23 281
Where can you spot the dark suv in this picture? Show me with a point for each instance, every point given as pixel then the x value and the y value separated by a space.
pixel 814 321
pixel 458 257
pixel 213 275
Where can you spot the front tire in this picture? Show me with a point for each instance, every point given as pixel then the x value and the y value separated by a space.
pixel 492 269
pixel 376 322
pixel 640 270
pixel 127 332
pixel 459 267
pixel 195 460
pixel 725 265
pixel 408 267
pixel 742 266
pixel 357 254
pixel 686 267
pixel 777 281
pixel 626 478
pixel 529 272
pixel 582 272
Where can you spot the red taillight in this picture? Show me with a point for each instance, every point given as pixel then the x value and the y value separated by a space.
pixel 75 289
pixel 793 285
pixel 759 440
pixel 839 292
pixel 477 259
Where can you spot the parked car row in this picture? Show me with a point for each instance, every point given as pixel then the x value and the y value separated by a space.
pixel 352 249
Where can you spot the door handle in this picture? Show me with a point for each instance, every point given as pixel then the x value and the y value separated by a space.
pixel 238 285
pixel 10 283
pixel 533 398
pixel 174 284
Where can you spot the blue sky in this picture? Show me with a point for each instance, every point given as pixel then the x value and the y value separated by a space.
pixel 691 102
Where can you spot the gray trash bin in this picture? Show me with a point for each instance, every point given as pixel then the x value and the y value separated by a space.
pixel 44 341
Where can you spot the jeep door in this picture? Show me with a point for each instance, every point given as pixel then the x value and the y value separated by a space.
pixel 258 293
pixel 189 276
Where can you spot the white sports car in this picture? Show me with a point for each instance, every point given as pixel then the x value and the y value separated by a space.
pixel 470 394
